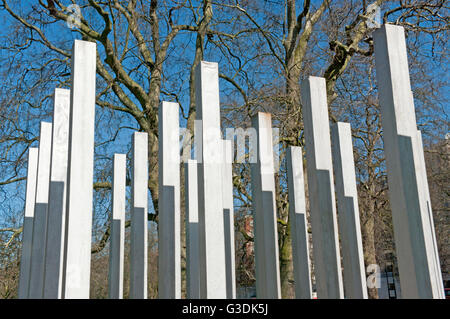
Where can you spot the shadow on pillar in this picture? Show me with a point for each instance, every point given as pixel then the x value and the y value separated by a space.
pixel 53 258
pixel 329 279
pixel 36 287
pixel 193 273
pixel 269 269
pixel 115 261
pixel 25 258
pixel 353 274
pixel 138 262
pixel 416 227
pixel 166 243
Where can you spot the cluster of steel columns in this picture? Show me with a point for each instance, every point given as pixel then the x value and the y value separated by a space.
pixel 57 229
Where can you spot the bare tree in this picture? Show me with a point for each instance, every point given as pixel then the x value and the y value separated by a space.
pixel 148 51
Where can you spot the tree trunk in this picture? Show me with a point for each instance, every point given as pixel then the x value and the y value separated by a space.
pixel 286 266
pixel 285 242
pixel 367 231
